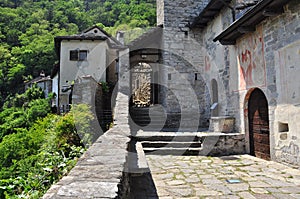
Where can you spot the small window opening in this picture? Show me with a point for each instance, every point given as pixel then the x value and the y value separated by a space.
pixel 283 127
pixel 78 55
pixel 196 76
pixel 74 55
pixel 169 76
pixel 82 55
pixel 186 34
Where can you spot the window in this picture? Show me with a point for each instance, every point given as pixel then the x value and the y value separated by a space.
pixel 82 55
pixel 74 55
pixel 78 55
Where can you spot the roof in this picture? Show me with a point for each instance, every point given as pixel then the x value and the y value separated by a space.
pixel 94 33
pixel 149 39
pixel 38 79
pixel 212 9
pixel 104 32
pixel 247 23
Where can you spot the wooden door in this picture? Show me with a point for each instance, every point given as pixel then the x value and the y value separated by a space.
pixel 259 125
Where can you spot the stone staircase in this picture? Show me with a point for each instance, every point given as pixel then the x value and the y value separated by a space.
pixel 147 118
pixel 158 133
pixel 167 143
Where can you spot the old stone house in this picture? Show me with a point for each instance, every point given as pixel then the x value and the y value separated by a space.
pixel 232 59
pixel 90 55
pixel 87 67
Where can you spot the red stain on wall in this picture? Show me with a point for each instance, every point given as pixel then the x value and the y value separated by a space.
pixel 207 64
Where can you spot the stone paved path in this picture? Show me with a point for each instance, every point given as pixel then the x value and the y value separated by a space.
pixel 206 177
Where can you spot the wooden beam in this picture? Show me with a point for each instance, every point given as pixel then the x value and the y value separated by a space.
pixel 245 29
pixel 207 17
pixel 213 10
pixel 270 12
pixel 227 42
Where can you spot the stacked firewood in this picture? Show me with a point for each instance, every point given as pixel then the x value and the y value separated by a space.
pixel 142 95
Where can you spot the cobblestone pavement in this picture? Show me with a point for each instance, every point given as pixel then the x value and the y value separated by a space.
pixel 209 177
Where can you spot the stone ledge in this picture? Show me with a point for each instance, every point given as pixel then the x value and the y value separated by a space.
pixel 101 172
pixel 98 173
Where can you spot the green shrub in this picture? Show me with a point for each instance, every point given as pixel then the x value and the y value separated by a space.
pixel 34 159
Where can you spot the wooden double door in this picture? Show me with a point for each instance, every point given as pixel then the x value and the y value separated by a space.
pixel 259 132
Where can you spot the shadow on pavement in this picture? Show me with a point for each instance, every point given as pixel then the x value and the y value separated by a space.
pixel 142 186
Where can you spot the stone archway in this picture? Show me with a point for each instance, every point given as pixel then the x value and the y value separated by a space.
pixel 258 123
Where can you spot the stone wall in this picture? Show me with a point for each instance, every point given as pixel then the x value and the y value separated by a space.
pixel 101 171
pixel 226 144
pixel 184 87
pixel 274 48
pixel 282 45
pixel 219 61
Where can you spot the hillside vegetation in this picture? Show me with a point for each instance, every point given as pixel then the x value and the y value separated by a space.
pixel 27 29
pixel 37 148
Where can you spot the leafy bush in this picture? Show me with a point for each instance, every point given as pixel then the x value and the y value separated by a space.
pixel 23 110
pixel 36 158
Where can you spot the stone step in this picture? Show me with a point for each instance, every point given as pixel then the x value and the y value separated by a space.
pixel 172 151
pixel 150 123
pixel 169 138
pixel 145 119
pixel 171 144
pixel 139 116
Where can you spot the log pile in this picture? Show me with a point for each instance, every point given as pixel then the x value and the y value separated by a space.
pixel 142 95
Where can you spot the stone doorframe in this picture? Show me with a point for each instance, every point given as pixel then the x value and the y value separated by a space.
pixel 148 56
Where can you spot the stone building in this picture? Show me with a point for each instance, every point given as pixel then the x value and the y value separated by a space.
pixel 87 72
pixel 89 58
pixel 44 82
pixel 223 59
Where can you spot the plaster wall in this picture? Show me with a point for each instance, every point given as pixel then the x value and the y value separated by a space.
pixel 267 59
pixel 220 65
pixel 285 58
pixel 281 37
pixel 94 65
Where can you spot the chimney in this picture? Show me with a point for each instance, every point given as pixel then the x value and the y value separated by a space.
pixel 120 36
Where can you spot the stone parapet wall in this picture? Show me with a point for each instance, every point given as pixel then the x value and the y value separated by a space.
pixel 226 144
pixel 102 171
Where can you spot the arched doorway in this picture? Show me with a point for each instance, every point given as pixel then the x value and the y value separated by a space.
pixel 141 84
pixel 258 120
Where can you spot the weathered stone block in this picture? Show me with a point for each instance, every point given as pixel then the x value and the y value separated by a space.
pixel 223 124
